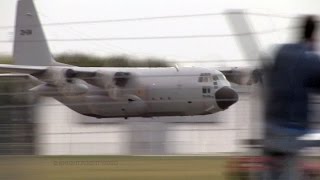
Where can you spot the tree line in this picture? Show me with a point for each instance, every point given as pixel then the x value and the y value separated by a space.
pixel 86 60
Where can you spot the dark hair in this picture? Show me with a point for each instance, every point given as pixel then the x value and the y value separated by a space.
pixel 309 28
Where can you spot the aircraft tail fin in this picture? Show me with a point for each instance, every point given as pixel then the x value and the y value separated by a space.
pixel 30 44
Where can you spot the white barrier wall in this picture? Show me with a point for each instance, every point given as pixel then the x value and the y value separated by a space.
pixel 61 132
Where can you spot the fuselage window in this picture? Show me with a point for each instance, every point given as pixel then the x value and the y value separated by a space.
pixel 206 90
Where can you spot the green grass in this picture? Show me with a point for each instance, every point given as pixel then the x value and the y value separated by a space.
pixel 5 59
pixel 112 167
pixel 120 167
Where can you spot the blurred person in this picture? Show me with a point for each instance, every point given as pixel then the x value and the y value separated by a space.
pixel 294 72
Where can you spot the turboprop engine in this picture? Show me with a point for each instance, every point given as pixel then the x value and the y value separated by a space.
pixel 113 82
pixel 60 80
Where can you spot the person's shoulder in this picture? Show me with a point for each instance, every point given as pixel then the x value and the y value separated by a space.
pixel 291 46
pixel 284 48
pixel 312 56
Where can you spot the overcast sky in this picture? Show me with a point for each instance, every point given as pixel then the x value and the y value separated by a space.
pixel 206 49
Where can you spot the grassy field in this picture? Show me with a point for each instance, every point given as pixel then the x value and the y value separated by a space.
pixel 112 168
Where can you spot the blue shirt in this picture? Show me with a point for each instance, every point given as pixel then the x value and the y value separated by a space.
pixel 295 71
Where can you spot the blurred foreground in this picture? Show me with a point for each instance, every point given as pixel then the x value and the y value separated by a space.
pixel 135 167
pixel 112 167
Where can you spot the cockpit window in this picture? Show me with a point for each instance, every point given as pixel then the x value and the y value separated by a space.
pixel 221 77
pixel 218 77
pixel 205 77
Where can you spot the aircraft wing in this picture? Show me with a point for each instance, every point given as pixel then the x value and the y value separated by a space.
pixel 22 69
pixel 14 75
pixel 243 76
pixel 117 78
pixel 19 78
pixel 34 70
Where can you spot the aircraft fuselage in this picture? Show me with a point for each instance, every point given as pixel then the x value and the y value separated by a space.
pixel 153 92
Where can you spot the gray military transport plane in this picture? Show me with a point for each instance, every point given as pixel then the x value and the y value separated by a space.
pixel 114 92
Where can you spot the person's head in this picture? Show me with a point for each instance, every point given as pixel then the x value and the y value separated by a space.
pixel 309 29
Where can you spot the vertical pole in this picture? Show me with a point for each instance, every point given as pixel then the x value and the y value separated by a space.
pixel 245 36
pixel 250 47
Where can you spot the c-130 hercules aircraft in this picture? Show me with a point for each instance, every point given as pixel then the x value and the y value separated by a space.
pixel 114 92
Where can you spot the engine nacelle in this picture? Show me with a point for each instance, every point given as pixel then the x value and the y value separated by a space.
pixel 61 80
pixel 73 88
pixel 113 82
pixel 58 76
pixel 69 89
pixel 45 90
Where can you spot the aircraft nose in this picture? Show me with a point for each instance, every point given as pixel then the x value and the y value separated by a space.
pixel 225 97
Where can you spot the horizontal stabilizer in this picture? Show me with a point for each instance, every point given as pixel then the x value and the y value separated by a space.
pixel 22 69
pixel 19 78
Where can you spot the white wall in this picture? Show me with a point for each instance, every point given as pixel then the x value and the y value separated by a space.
pixel 60 132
